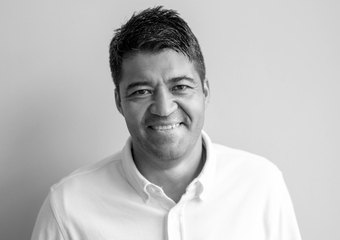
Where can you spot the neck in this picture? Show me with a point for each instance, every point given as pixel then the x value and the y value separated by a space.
pixel 176 176
pixel 175 181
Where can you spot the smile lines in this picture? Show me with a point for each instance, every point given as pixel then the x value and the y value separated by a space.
pixel 166 127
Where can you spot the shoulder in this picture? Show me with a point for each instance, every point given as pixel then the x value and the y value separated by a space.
pixel 73 195
pixel 90 175
pixel 244 163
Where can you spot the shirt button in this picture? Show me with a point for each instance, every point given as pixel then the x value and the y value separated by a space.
pixel 159 193
pixel 150 189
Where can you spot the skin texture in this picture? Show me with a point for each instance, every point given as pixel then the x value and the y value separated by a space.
pixel 163 102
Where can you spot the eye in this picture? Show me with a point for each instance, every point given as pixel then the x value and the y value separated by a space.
pixel 179 87
pixel 141 92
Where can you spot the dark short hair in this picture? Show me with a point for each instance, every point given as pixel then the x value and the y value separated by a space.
pixel 153 30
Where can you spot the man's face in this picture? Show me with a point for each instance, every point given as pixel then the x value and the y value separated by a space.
pixel 163 102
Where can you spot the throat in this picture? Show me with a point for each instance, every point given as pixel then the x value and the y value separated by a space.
pixel 175 181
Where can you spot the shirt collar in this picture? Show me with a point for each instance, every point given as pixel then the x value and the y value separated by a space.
pixel 134 177
pixel 207 175
pixel 140 183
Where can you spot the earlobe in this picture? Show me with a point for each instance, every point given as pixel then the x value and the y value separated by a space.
pixel 118 102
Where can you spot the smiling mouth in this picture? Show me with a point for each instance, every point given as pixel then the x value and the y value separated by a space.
pixel 165 127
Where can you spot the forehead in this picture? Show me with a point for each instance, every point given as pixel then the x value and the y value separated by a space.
pixel 163 65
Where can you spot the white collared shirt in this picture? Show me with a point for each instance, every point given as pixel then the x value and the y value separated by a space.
pixel 236 196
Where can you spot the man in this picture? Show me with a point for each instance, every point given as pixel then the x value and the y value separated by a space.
pixel 170 181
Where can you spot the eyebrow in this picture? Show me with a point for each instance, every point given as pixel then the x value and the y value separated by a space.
pixel 180 78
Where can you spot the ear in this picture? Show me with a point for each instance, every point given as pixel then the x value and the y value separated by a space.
pixel 118 102
pixel 206 91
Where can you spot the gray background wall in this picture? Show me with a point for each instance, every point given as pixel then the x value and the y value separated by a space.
pixel 274 69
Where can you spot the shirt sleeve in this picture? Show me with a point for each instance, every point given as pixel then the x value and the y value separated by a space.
pixel 285 224
pixel 47 226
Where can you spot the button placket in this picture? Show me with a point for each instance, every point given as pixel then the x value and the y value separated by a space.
pixel 174 228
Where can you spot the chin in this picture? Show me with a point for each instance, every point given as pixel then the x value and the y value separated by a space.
pixel 168 155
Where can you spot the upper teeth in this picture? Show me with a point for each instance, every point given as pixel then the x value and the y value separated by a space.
pixel 168 127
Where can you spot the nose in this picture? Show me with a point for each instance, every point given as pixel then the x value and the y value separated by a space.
pixel 163 103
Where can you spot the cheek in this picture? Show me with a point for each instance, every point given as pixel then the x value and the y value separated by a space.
pixel 194 108
pixel 133 113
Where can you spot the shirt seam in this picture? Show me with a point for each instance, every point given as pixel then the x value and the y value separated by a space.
pixel 58 219
pixel 75 174
pixel 251 157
